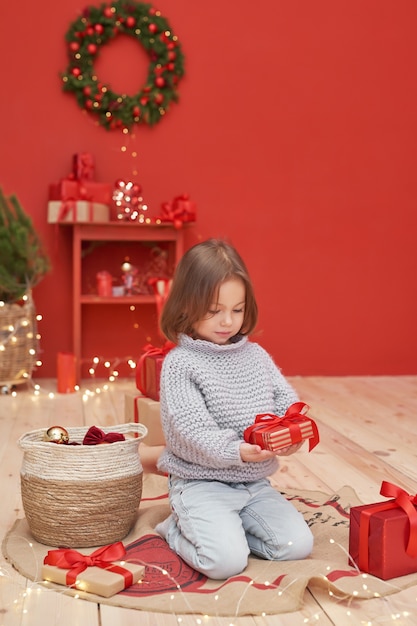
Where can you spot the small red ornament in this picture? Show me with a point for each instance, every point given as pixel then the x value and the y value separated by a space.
pixel 108 12
pixel 172 55
pixel 75 71
pixel 152 28
pixel 99 28
pixel 160 81
pixel 130 22
pixel 144 101
pixel 90 30
pixel 74 46
pixel 92 48
pixel 159 98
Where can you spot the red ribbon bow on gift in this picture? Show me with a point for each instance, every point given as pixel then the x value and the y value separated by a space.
pixel 291 420
pixel 95 436
pixel 180 210
pixel 149 350
pixel 77 562
pixel 401 500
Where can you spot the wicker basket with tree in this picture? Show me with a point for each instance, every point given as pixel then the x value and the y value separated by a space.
pixel 23 264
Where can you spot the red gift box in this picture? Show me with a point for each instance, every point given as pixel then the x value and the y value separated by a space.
pixel 83 166
pixel 69 190
pixel 272 432
pixel 179 211
pixel 148 369
pixel 383 535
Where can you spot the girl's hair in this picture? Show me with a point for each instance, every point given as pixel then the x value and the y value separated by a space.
pixel 197 279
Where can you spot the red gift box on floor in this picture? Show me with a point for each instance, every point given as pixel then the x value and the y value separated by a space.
pixel 102 572
pixel 272 432
pixel 383 535
pixel 148 370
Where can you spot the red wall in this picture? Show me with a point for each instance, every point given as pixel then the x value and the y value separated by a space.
pixel 296 136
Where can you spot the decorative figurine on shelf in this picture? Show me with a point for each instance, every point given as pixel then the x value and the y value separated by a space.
pixel 130 277
pixel 129 201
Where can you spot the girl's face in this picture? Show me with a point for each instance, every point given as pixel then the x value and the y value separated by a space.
pixel 224 318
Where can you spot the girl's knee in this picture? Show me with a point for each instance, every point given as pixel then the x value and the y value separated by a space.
pixel 300 547
pixel 224 563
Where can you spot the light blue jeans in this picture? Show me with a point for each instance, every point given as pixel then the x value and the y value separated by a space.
pixel 214 525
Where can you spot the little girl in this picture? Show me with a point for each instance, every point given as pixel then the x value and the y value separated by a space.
pixel 213 384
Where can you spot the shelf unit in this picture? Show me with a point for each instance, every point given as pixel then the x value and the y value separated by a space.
pixel 107 232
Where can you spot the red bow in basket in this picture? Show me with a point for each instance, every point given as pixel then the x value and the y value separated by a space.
pixel 95 436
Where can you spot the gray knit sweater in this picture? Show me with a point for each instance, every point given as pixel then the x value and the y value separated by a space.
pixel 209 394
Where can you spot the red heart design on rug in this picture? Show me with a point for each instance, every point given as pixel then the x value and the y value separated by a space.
pixel 164 570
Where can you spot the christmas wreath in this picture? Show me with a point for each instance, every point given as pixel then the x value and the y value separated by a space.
pixel 99 25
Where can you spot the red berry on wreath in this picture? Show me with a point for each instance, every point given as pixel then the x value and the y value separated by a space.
pixel 170 67
pixel 92 48
pixel 87 91
pixel 152 28
pixel 144 101
pixel 160 81
pixel 99 28
pixel 108 12
pixel 130 22
pixel 75 71
pixel 172 55
pixel 90 31
pixel 136 111
pixel 74 46
pixel 159 98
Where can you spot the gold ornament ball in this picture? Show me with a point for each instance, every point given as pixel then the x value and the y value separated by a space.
pixel 57 434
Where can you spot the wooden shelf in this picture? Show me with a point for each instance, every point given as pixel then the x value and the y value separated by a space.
pixel 108 232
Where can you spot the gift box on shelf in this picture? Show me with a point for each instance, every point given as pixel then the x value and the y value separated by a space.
pixel 103 572
pixel 383 535
pixel 145 411
pixel 148 369
pixel 180 210
pixel 72 211
pixel 78 197
pixel 69 189
pixel 273 432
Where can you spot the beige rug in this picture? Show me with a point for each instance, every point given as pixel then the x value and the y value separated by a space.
pixel 265 587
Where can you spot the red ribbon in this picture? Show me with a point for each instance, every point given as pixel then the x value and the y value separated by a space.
pixel 95 436
pixel 77 562
pixel 293 417
pixel 402 500
pixel 149 351
pixel 180 210
pixel 69 205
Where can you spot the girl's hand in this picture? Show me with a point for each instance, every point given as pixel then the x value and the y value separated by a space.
pixel 252 453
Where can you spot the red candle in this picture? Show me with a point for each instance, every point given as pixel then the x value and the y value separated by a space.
pixel 66 372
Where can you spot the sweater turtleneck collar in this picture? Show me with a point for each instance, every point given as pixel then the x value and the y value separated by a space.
pixel 201 345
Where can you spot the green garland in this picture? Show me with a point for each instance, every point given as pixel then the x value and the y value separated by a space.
pixel 99 25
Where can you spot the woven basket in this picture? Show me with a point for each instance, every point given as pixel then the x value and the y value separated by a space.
pixel 81 496
pixel 18 338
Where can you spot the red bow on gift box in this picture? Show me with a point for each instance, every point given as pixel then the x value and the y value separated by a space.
pixel 401 500
pixel 292 418
pixel 77 562
pixel 180 210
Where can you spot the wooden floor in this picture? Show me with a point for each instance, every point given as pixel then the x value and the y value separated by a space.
pixel 368 434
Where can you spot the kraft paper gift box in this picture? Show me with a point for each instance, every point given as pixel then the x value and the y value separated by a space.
pixel 73 211
pixel 383 535
pixel 273 432
pixel 143 410
pixel 104 578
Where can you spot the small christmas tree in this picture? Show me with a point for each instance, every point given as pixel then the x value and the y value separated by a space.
pixel 23 261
